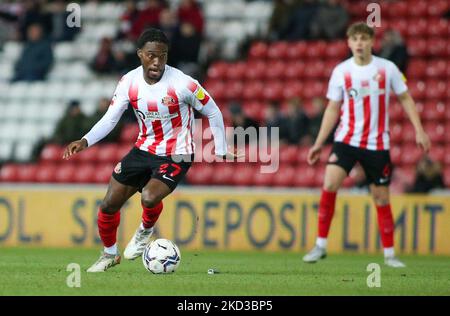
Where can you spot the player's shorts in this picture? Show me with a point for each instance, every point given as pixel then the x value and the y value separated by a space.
pixel 376 163
pixel 138 167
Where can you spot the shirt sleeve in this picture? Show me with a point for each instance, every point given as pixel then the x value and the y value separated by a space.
pixel 202 102
pixel 335 91
pixel 118 105
pixel 398 80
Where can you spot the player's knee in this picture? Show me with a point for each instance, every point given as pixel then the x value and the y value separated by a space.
pixel 150 200
pixel 330 186
pixel 108 207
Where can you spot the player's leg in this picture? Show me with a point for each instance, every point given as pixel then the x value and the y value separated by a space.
pixel 108 221
pixel 378 168
pixel 166 174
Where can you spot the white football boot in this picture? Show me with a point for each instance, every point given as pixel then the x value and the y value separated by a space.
pixel 137 244
pixel 394 262
pixel 315 254
pixel 105 262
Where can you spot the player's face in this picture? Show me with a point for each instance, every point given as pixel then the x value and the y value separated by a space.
pixel 153 58
pixel 361 45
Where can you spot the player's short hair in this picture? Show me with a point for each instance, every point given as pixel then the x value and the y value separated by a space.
pixel 360 28
pixel 152 35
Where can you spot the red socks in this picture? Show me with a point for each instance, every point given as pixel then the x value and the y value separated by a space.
pixel 386 225
pixel 326 211
pixel 151 215
pixel 107 227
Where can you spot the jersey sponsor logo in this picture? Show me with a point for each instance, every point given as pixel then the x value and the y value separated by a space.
pixel 118 168
pixel 168 101
pixel 152 116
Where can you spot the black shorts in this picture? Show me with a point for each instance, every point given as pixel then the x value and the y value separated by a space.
pixel 376 163
pixel 138 167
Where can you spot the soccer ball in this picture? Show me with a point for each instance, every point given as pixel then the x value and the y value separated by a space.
pixel 161 256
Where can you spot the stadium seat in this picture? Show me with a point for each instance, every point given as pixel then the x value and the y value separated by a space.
pixel 277 50
pixel 262 179
pixel 233 90
pixel 417 47
pixel 409 133
pixel 337 50
pixel 236 71
pixel 313 89
pixel 447 155
pixel 418 28
pixel 275 70
pixel 417 9
pixel 435 89
pixel 107 153
pixel 216 88
pixel 65 173
pixel 243 175
pixel 410 154
pixel 447 177
pixel 253 90
pixel 305 176
pixel 9 173
pixel 434 110
pixel 437 69
pixel 438 27
pixel 129 133
pixel 217 70
pixel 200 174
pixel 396 155
pixel 396 112
pixel 258 50
pixel 297 50
pixel 103 173
pixel 417 69
pixel 294 70
pixel 291 89
pixel 223 173
pixel 437 47
pixel 315 69
pixel 417 89
pixel 27 172
pixel 437 153
pixel 406 175
pixel 284 177
pixel 288 154
pixel 273 90
pixel 436 132
pixel 256 70
pixel 52 153
pixel 396 133
pixel 302 155
pixel 437 8
pixel 46 173
pixel 84 173
pixel 317 49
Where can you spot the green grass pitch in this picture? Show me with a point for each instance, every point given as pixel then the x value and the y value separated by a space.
pixel 36 271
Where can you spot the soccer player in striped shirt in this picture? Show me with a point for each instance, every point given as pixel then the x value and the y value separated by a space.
pixel 362 85
pixel 163 99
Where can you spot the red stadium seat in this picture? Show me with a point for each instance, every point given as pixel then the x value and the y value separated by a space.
pixel 284 177
pixel 85 173
pixel 253 90
pixel 243 175
pixel 216 89
pixel 400 25
pixel 417 47
pixel 292 89
pixel 435 89
pixel 302 155
pixel 258 50
pixel 447 154
pixel 317 49
pixel 438 7
pixel 103 173
pixel 65 173
pixel 129 133
pixel 409 133
pixel 406 174
pixel 262 179
pixel 396 155
pixel 256 70
pixel 275 70
pixel 397 10
pixel 315 69
pixel 223 173
pixel 46 173
pixel 52 153
pixel 417 9
pixel 417 89
pixel 233 90
pixel 437 69
pixel 436 132
pixel 88 155
pixel 107 153
pixel 27 173
pixel 217 70
pixel 273 90
pixel 437 153
pixel 122 151
pixel 254 110
pixel 297 50
pixel 396 133
pixel 438 27
pixel 396 112
pixel 277 50
pixel 236 71
pixel 447 177
pixel 294 70
pixel 417 69
pixel 288 155
pixel 418 28
pixel 313 89
pixel 9 173
pixel 337 50
pixel 437 47
pixel 434 110
pixel 411 154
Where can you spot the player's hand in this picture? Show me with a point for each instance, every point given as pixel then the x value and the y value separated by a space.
pixel 314 154
pixel 423 141
pixel 233 155
pixel 75 147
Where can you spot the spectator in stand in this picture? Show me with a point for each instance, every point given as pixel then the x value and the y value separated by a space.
pixel 315 119
pixel 90 121
pixel 273 117
pixel 294 125
pixel 280 17
pixel 149 17
pixel 128 20
pixel 185 49
pixel 61 30
pixel 168 23
pixel 394 49
pixel 428 176
pixel 36 58
pixel 71 126
pixel 330 21
pixel 34 14
pixel 190 12
pixel 299 24
pixel 239 119
pixel 105 61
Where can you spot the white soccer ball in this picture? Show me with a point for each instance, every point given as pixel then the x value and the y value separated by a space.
pixel 161 256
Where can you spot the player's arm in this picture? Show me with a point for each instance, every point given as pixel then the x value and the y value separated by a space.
pixel 203 103
pixel 409 106
pixel 329 120
pixel 104 126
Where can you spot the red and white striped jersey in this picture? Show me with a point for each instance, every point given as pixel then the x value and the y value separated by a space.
pixel 364 120
pixel 164 111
